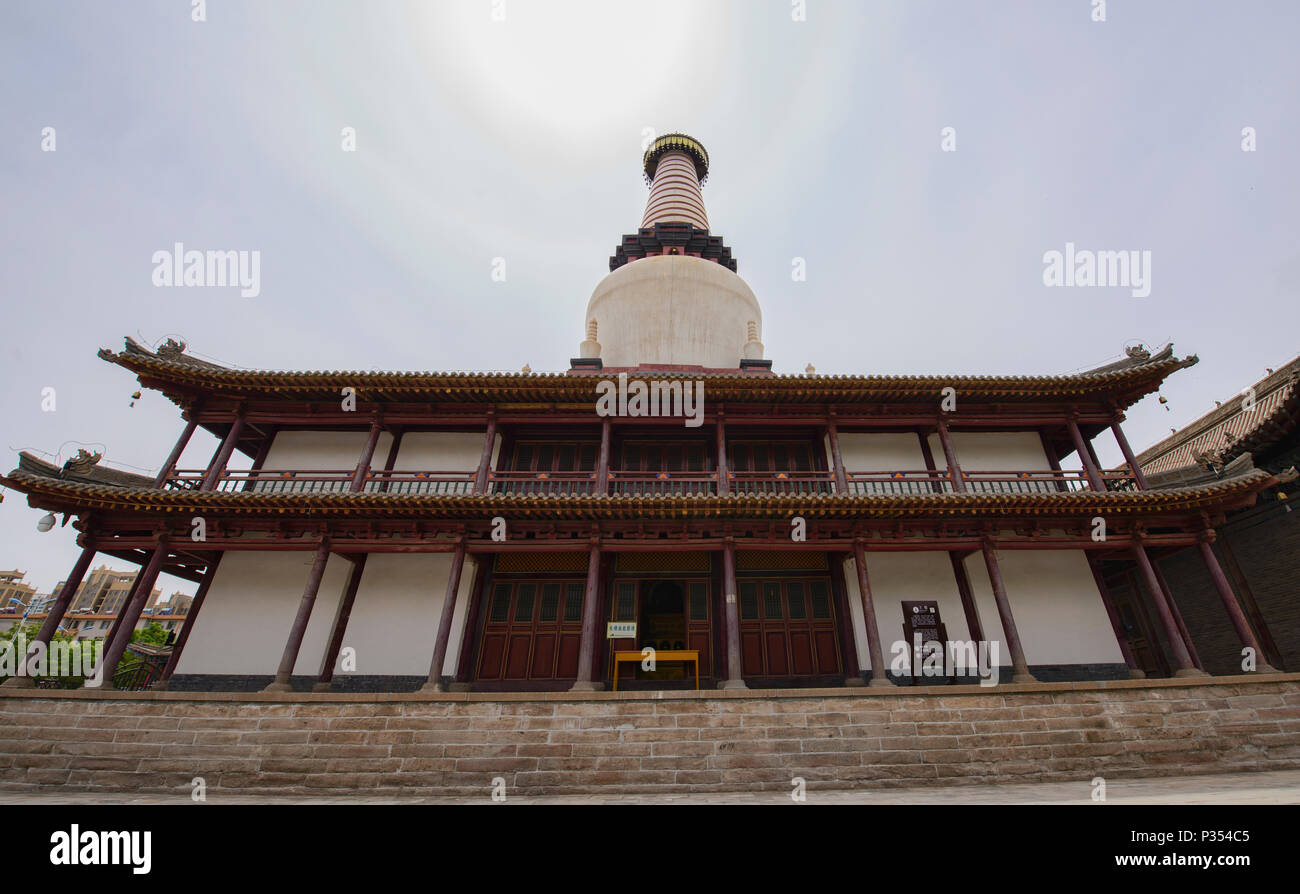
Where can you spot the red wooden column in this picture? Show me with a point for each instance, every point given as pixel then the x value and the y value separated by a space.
pixel 222 457
pixel 258 461
pixel 367 455
pixel 586 680
pixel 845 632
pixel 1235 614
pixel 724 473
pixel 837 461
pixel 1178 615
pixel 1085 456
pixel 325 679
pixel 389 463
pixel 964 590
pixel 874 649
pixel 1019 667
pixel 1241 586
pixel 175 455
pixel 485 458
pixel 602 462
pixel 731 611
pixel 950 456
pixel 1053 461
pixel 444 620
pixel 299 628
pixel 200 596
pixel 1175 636
pixel 967 593
pixel 121 611
pixel 1129 458
pixel 55 614
pixel 130 614
pixel 1134 670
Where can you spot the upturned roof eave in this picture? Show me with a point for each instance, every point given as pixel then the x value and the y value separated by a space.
pixel 182 381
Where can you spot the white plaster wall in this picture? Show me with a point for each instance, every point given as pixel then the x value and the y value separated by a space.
pixel 998 451
pixel 903 576
pixel 881 452
pixel 441 451
pixel 394 621
pixel 673 309
pixel 250 607
pixel 1055 603
pixel 338 450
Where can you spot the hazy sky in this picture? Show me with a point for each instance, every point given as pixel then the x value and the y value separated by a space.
pixel 521 139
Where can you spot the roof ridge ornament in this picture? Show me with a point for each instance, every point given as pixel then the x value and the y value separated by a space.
pixel 171 349
pixel 82 463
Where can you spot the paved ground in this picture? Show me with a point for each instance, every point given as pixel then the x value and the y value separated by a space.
pixel 1281 787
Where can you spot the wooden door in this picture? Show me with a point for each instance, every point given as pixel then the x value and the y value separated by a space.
pixel 787 628
pixel 628 601
pixel 533 631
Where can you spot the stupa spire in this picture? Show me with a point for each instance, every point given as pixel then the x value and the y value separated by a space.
pixel 672 296
pixel 675 166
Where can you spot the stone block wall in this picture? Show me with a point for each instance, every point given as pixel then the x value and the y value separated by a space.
pixel 550 743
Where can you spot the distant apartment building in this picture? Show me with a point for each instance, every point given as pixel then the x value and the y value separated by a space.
pixel 94 609
pixel 14 591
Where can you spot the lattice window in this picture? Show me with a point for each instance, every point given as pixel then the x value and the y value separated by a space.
pixel 573 602
pixel 821 599
pixel 500 603
pixel 772 601
pixel 524 602
pixel 794 595
pixel 749 601
pixel 626 603
pixel 550 602
pixel 699 602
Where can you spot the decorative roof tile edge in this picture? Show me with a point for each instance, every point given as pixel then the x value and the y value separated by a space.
pixel 1281 421
pixel 1145 373
pixel 72 496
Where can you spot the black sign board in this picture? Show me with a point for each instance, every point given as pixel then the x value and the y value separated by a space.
pixel 921 624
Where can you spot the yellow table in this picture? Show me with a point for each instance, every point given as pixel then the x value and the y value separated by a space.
pixel 659 655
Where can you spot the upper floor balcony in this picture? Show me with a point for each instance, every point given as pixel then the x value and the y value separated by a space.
pixel 642 482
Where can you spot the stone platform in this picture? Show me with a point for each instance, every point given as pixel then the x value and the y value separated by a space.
pixel 457 744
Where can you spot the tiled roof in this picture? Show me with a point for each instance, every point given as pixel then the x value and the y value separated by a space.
pixel 179 376
pixel 96 474
pixel 1232 429
pixel 64 495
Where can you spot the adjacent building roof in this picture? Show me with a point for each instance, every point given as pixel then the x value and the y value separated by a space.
pixel 1248 421
pixel 182 378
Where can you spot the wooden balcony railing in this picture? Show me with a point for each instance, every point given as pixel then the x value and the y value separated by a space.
pixel 860 484
pixel 337 481
pixel 545 483
pixel 896 484
pixel 782 482
pixel 662 483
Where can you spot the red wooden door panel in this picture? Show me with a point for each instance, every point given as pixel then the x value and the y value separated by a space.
pixel 787 628
pixel 532 631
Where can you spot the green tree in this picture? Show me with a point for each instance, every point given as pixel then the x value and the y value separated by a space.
pixel 81 652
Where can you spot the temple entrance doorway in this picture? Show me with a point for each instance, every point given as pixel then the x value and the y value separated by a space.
pixel 662 626
pixel 672 614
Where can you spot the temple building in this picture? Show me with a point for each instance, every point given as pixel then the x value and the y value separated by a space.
pixel 495 532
